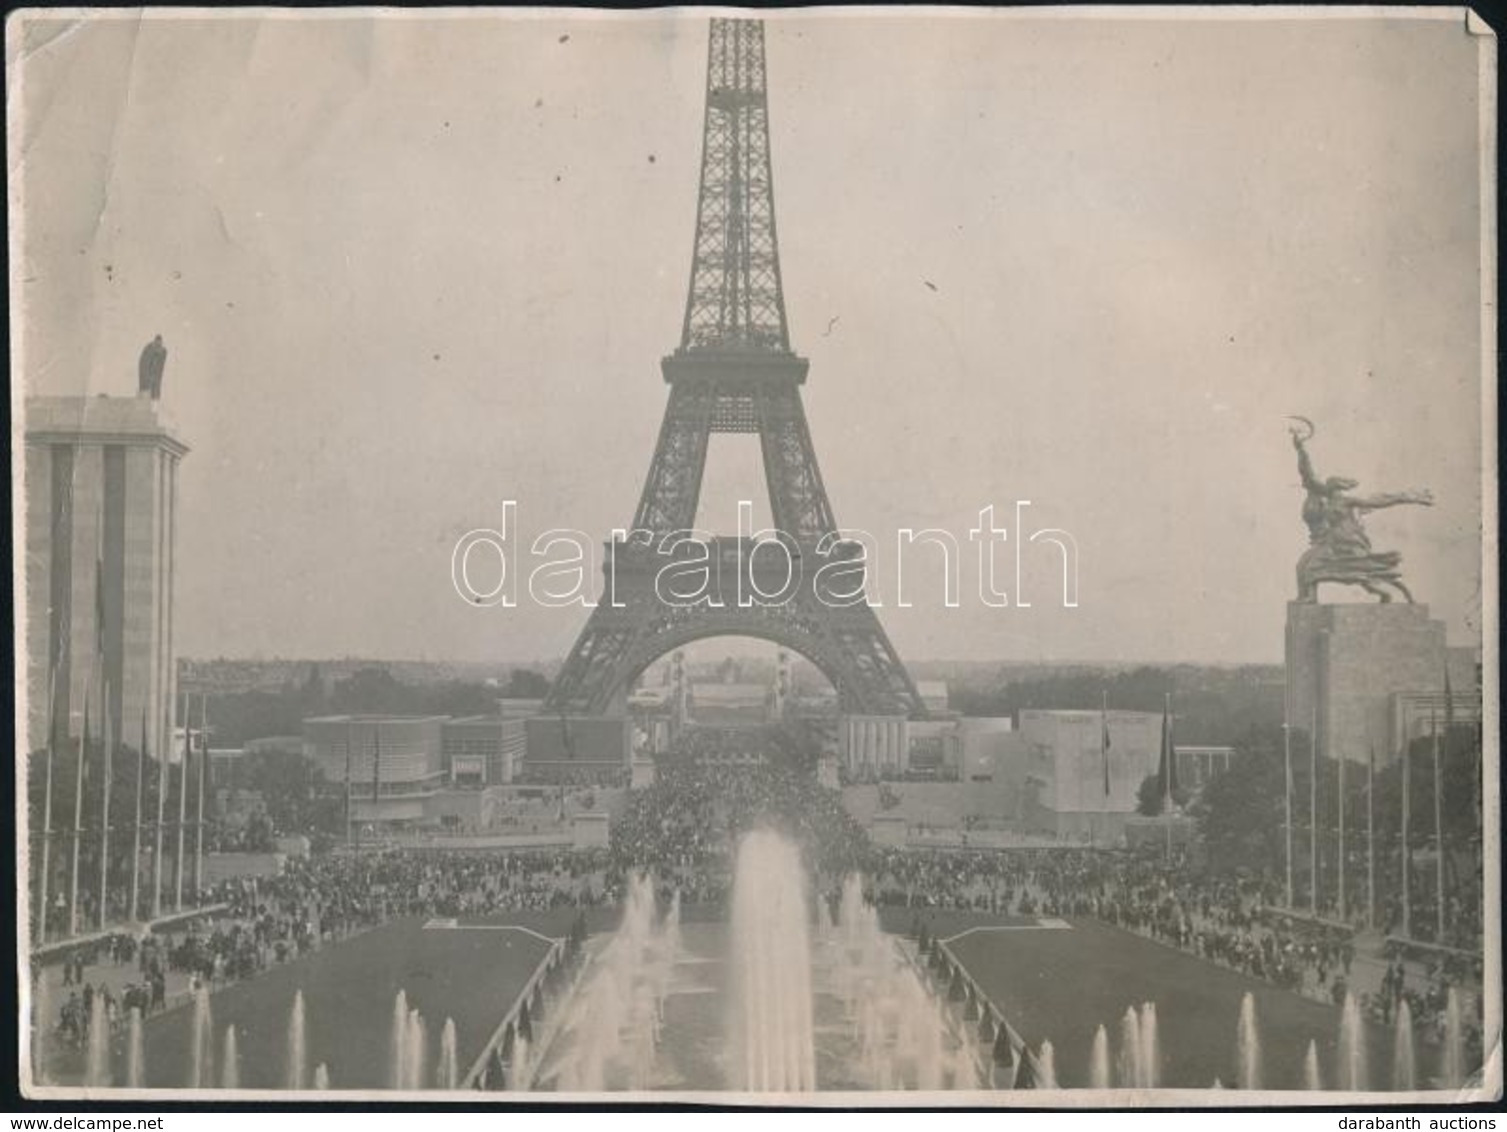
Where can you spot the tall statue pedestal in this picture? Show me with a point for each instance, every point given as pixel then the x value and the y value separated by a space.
pixel 1346 662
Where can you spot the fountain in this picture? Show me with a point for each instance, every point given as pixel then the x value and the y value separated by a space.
pixel 201 1051
pixel 926 1039
pixel 397 1042
pixel 1452 1057
pixel 1098 1061
pixel 773 1038
pixel 788 977
pixel 97 1055
pixel 322 1077
pixel 1128 1071
pixel 230 1068
pixel 1311 1079
pixel 414 1049
pixel 1403 1062
pixel 610 1034
pixel 135 1050
pixel 1351 1071
pixel 1247 1046
pixel 449 1070
pixel 518 1076
pixel 1150 1054
pixel 1046 1062
pixel 294 1078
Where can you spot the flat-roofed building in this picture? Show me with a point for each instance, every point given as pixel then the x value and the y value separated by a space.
pixel 101 487
pixel 483 750
pixel 392 764
pixel 1073 784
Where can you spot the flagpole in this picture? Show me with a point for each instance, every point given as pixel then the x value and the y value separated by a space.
pixel 107 728
pixel 203 769
pixel 104 829
pixel 52 735
pixel 1287 762
pixel 1407 857
pixel 376 771
pixel 1371 838
pixel 78 820
pixel 1104 753
pixel 1169 755
pixel 164 747
pixel 350 743
pixel 1313 813
pixel 141 770
pixel 182 812
pixel 1438 841
pixel 1077 765
pixel 1287 803
pixel 1340 775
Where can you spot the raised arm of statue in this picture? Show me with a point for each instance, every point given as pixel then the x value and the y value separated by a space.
pixel 1393 499
pixel 1305 465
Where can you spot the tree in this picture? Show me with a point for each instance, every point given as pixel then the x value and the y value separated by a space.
pixel 372 691
pixel 295 795
pixel 1150 796
pixel 1240 813
pixel 526 684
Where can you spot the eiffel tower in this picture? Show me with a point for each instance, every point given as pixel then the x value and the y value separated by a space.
pixel 734 372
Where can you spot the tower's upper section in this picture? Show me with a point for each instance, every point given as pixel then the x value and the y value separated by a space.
pixel 131 421
pixel 736 304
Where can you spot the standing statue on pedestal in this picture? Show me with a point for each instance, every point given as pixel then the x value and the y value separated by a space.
pixel 149 369
pixel 1339 550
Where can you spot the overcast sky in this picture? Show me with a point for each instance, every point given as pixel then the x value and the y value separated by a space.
pixel 409 268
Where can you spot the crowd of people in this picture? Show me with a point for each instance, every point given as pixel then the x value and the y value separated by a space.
pixel 148 993
pixel 260 922
pixel 684 828
pixel 1235 923
pixel 688 822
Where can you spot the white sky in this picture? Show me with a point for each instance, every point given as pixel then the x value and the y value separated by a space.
pixel 409 268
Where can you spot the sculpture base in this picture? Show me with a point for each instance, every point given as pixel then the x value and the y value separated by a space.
pixel 1345 663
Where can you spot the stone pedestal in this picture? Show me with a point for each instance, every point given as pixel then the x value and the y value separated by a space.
pixel 888 830
pixel 1346 662
pixel 642 773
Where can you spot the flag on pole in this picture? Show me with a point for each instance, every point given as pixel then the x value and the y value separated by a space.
pixel 141 770
pixel 106 783
pixel 78 820
pixel 376 768
pixel 1167 770
pixel 99 605
pixel 350 745
pixel 1104 740
pixel 1449 709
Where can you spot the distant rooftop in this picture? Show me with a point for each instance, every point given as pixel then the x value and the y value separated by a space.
pixel 376 718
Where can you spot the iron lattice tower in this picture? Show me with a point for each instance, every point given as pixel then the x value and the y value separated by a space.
pixel 733 372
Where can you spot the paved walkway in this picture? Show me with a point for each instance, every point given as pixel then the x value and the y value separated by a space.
pixel 55 949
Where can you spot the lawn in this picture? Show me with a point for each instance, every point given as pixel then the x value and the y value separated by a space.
pixel 1062 984
pixel 470 976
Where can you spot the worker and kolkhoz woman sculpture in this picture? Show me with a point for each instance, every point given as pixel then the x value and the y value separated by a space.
pixel 1339 550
